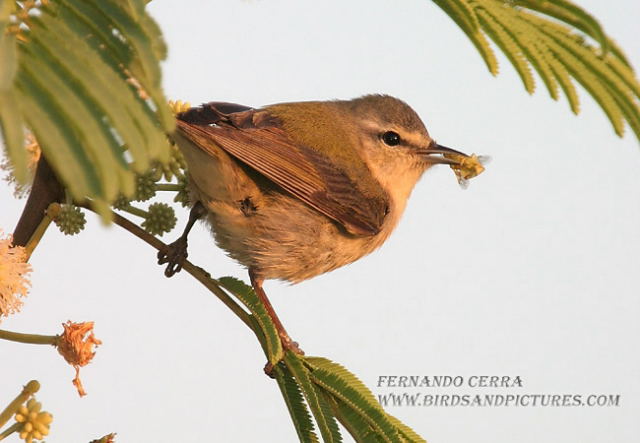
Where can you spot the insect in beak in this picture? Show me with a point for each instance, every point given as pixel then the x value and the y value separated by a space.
pixel 464 166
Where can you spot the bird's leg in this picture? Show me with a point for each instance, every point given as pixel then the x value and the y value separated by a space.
pixel 176 253
pixel 287 342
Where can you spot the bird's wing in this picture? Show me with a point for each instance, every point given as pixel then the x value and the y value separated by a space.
pixel 257 140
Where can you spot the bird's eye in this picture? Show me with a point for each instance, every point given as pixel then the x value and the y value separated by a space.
pixel 391 138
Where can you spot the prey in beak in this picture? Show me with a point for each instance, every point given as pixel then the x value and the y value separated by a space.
pixel 464 166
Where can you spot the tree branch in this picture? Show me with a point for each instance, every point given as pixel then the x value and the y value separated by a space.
pixel 197 272
pixel 46 189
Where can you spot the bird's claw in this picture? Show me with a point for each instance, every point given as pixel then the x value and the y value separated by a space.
pixel 291 345
pixel 174 256
pixel 288 345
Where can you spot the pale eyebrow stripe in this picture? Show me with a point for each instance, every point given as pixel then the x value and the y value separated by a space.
pixel 413 138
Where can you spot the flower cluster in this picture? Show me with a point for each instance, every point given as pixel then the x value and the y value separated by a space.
pixel 160 219
pixel 70 220
pixel 179 106
pixel 13 276
pixel 35 423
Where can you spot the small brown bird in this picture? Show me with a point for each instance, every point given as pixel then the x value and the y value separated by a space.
pixel 294 190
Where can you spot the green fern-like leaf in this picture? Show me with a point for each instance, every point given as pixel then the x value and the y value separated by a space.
pixel 462 11
pixel 295 404
pixel 617 52
pixel 11 122
pixel 321 411
pixel 50 124
pixel 84 77
pixel 458 11
pixel 408 434
pixel 503 38
pixel 347 388
pixel 553 37
pixel 564 80
pixel 359 429
pixel 570 14
pixel 623 73
pixel 614 90
pixel 582 62
pixel 529 48
pixel 248 297
pixel 246 294
pixel 317 363
pixel 103 150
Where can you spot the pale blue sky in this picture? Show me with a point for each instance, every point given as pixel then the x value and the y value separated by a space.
pixel 532 271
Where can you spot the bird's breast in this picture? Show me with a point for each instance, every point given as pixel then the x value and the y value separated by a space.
pixel 282 238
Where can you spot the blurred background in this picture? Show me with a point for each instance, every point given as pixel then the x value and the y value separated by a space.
pixel 531 272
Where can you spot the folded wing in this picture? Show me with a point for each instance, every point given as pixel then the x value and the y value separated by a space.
pixel 256 139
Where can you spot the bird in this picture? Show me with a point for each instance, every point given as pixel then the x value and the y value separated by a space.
pixel 295 190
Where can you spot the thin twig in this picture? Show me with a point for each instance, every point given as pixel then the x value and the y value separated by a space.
pixel 34 339
pixel 49 215
pixel 10 430
pixel 197 272
pixel 169 187
pixel 133 211
pixel 29 389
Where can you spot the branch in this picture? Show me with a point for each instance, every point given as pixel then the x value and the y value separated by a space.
pixel 197 272
pixel 29 389
pixel 34 339
pixel 46 189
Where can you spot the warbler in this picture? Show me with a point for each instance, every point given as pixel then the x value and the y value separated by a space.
pixel 294 190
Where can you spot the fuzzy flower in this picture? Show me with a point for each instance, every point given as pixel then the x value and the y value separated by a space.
pixel 179 106
pixel 161 218
pixel 35 423
pixel 70 219
pixel 33 156
pixel 13 272
pixel 77 348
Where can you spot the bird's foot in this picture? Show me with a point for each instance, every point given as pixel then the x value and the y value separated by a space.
pixel 268 370
pixel 289 345
pixel 174 256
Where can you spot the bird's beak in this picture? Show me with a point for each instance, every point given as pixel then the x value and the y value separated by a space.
pixel 438 154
